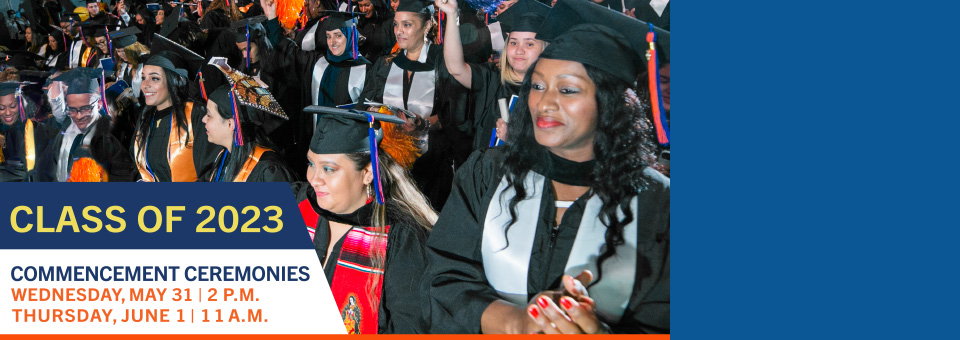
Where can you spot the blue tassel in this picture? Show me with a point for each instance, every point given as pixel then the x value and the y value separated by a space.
pixel 374 157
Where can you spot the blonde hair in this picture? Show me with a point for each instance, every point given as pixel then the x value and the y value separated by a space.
pixel 507 73
pixel 133 53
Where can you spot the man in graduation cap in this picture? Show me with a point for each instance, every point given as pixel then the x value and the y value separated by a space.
pixel 23 140
pixel 87 134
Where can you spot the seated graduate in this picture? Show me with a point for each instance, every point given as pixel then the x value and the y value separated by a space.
pixel 170 144
pixel 87 139
pixel 370 220
pixel 131 55
pixel 248 155
pixel 566 229
pixel 23 140
pixel 487 82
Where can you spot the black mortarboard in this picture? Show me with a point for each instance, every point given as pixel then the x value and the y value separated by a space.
pixel 344 131
pixel 227 101
pixel 240 27
pixel 124 37
pixel 416 6
pixel 67 16
pixel 170 20
pixel 81 80
pixel 93 1
pixel 9 87
pixel 524 16
pixel 20 59
pixel 336 20
pixel 178 58
pixel 567 14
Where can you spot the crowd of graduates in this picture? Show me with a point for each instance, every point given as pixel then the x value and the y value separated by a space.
pixel 461 166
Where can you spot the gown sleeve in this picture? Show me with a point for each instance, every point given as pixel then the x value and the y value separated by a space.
pixel 375 80
pixel 455 284
pixel 406 259
pixel 484 88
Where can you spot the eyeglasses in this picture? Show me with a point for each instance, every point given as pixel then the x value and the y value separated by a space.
pixel 80 110
pixel 102 43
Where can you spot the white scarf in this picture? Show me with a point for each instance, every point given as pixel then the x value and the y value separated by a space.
pixel 420 98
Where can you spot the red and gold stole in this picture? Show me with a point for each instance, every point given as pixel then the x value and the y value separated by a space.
pixel 354 267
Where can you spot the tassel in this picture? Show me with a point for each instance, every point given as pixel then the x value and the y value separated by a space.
pixel 23 114
pixel 656 102
pixel 440 17
pixel 103 90
pixel 374 157
pixel 248 46
pixel 203 90
pixel 109 44
pixel 237 134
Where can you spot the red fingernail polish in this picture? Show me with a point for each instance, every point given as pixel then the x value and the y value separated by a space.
pixel 542 301
pixel 566 303
pixel 534 313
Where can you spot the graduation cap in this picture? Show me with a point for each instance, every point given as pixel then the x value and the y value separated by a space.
pixel 174 57
pixel 81 80
pixel 416 6
pixel 20 59
pixel 248 90
pixel 524 16
pixel 573 24
pixel 16 87
pixel 124 37
pixel 345 131
pixel 242 31
pixel 228 101
pixel 170 19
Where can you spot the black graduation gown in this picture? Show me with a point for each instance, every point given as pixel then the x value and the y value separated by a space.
pixel 104 148
pixel 215 19
pixel 405 262
pixel 287 61
pixel 379 37
pixel 14 167
pixel 449 146
pixel 486 88
pixel 457 286
pixel 204 152
pixel 270 168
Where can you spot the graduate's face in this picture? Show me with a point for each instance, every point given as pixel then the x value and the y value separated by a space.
pixel 254 51
pixel 313 8
pixel 102 44
pixel 153 85
pixel 80 109
pixel 93 9
pixel 28 34
pixel 563 107
pixel 409 29
pixel 340 187
pixel 366 7
pixel 522 50
pixel 140 19
pixel 52 42
pixel 160 16
pixel 336 42
pixel 394 4
pixel 121 54
pixel 10 112
pixel 219 130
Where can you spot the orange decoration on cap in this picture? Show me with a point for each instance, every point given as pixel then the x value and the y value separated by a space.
pixel 288 11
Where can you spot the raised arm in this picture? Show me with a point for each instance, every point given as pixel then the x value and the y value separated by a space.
pixel 452 47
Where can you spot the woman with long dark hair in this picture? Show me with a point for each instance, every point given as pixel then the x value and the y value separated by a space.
pixel 376 28
pixel 566 229
pixel 170 144
pixel 57 55
pixel 248 157
pixel 367 220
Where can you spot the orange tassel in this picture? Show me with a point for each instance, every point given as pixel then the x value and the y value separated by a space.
pixel 399 145
pixel 86 169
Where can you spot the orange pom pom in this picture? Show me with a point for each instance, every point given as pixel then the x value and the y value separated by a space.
pixel 399 145
pixel 86 169
pixel 288 11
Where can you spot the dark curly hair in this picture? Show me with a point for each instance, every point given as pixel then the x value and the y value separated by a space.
pixel 623 148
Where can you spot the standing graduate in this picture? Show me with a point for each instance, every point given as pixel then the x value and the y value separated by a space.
pixel 23 140
pixel 370 220
pixel 330 76
pixel 170 144
pixel 248 155
pixel 567 228
pixel 311 38
pixel 416 79
pixel 489 83
pixel 88 135
pixel 376 28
